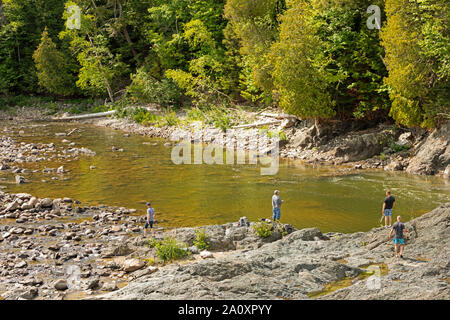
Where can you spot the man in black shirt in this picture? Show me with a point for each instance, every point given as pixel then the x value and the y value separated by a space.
pixel 388 204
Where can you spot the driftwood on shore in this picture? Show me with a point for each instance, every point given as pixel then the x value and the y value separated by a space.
pixel 86 116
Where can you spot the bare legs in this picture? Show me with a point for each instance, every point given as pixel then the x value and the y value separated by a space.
pixel 386 220
pixel 402 248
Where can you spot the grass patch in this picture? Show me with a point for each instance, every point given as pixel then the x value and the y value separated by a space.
pixel 219 117
pixel 50 105
pixel 169 250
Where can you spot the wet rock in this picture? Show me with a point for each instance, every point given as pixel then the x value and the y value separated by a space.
pixel 130 265
pixel 20 179
pixel 60 285
pixel 30 294
pixel 46 203
pixel 110 286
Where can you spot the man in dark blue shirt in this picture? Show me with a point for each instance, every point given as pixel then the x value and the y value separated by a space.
pixel 388 205
pixel 398 229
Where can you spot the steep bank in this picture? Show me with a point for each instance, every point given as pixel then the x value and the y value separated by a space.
pixel 305 263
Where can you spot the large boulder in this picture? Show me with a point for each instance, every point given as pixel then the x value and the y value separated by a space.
pixel 120 250
pixel 432 155
pixel 61 285
pixel 130 265
pixel 46 203
pixel 364 146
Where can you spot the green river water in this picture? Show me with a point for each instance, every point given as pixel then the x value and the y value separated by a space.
pixel 194 195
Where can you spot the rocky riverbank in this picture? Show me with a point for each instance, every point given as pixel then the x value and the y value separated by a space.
pixel 308 264
pixel 63 250
pixel 354 144
pixel 59 249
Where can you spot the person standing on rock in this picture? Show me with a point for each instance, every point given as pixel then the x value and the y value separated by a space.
pixel 150 219
pixel 276 205
pixel 398 228
pixel 388 204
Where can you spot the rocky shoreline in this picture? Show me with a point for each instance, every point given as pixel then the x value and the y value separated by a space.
pixel 45 242
pixel 353 145
pixel 307 264
pixel 62 249
pixel 86 252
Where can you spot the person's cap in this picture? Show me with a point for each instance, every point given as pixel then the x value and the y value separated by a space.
pixel 148 203
pixel 276 192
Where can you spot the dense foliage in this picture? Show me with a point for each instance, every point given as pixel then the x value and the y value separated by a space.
pixel 417 43
pixel 313 58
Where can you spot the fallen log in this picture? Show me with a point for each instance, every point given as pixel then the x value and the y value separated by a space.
pixel 86 116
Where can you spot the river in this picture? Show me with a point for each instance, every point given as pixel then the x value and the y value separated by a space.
pixel 194 195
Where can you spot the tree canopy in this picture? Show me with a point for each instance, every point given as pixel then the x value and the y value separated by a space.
pixel 313 58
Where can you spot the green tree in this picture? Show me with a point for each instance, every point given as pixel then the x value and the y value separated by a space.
pixel 256 24
pixel 22 23
pixel 53 71
pixel 327 63
pixel 101 70
pixel 416 40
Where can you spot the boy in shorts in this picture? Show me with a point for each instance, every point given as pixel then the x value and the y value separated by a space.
pixel 398 228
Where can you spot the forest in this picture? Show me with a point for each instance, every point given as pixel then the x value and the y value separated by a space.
pixel 316 59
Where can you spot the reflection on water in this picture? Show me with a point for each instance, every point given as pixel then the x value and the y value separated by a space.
pixel 193 195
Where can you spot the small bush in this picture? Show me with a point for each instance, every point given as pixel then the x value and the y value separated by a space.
pixel 169 250
pixel 263 229
pixel 277 134
pixel 146 89
pixel 152 243
pixel 201 241
pixel 399 148
pixel 149 261
pixel 170 119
